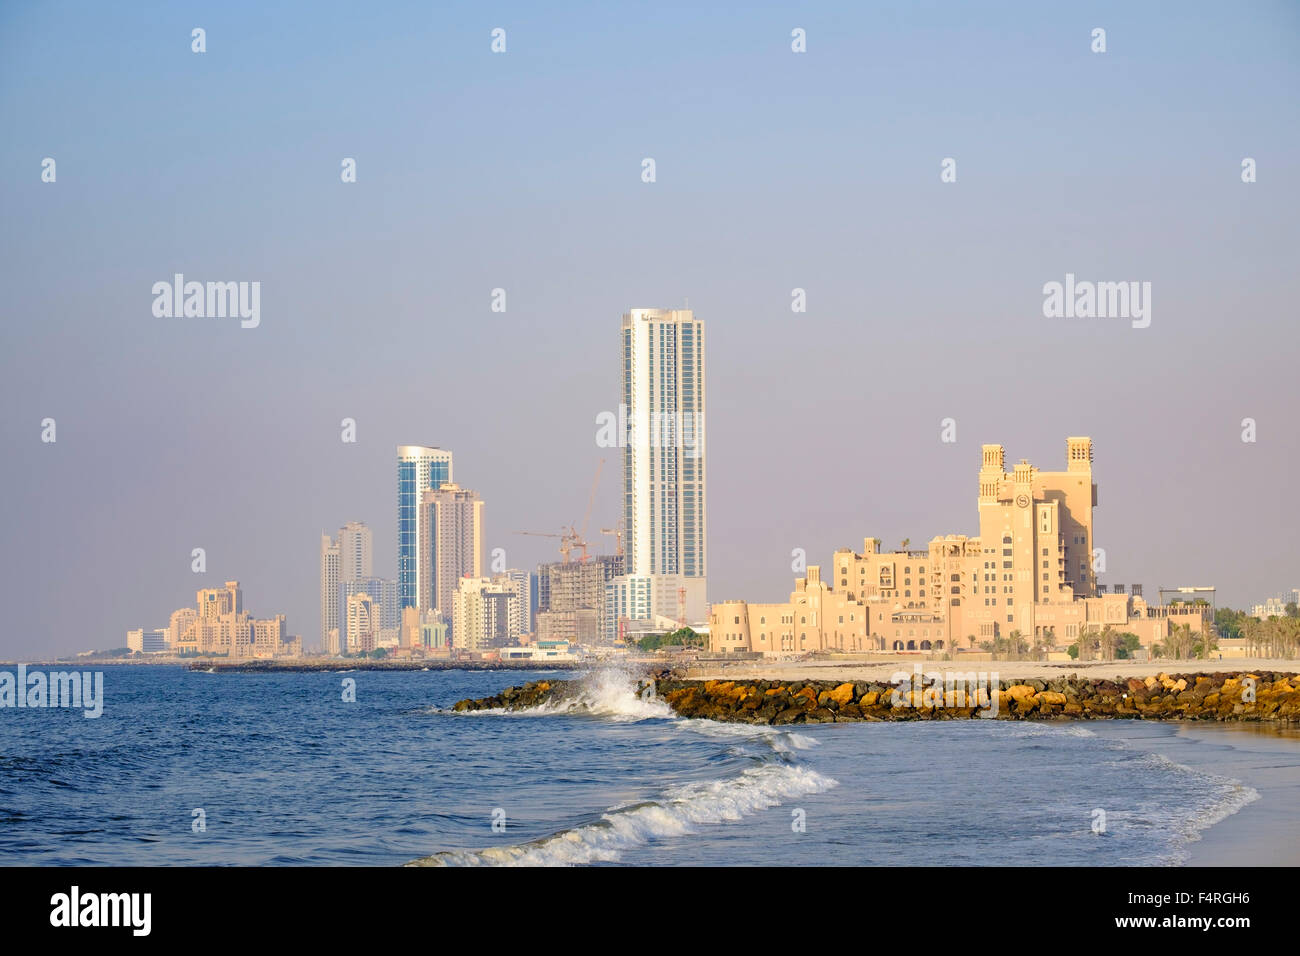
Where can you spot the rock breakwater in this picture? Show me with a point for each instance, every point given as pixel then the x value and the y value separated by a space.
pixel 1242 696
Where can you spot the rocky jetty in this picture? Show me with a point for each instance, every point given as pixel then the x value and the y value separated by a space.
pixel 1226 697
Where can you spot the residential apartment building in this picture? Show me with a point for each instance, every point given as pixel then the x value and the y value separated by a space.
pixel 662 415
pixel 451 534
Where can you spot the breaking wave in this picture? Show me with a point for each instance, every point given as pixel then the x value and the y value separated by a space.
pixel 616 695
pixel 677 812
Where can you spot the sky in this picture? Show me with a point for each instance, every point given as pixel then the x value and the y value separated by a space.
pixel 522 170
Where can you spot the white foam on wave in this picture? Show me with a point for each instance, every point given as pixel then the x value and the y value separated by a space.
pixel 784 741
pixel 680 810
pixel 1035 729
pixel 1228 795
pixel 609 693
pixel 614 694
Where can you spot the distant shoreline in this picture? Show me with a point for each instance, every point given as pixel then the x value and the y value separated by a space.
pixel 330 666
pixel 304 666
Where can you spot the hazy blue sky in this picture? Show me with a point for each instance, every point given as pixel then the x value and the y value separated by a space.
pixel 522 170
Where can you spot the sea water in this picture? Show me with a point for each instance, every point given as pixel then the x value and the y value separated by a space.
pixel 275 769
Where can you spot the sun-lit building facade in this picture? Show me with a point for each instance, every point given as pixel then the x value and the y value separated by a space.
pixel 1031 571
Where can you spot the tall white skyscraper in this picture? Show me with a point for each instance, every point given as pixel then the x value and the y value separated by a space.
pixel 664 478
pixel 329 594
pixel 355 547
pixel 451 539
pixel 419 468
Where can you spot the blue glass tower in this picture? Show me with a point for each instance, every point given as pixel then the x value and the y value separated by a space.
pixel 419 468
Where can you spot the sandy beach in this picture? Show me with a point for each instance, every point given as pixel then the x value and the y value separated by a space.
pixel 1264 758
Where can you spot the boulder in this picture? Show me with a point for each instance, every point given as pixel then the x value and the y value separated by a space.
pixel 842 694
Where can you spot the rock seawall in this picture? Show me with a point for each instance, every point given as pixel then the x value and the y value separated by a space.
pixel 1242 696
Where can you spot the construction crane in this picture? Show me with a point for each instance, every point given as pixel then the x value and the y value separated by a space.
pixel 618 534
pixel 571 539
pixel 568 541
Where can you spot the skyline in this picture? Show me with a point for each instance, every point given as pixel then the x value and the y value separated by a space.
pixel 818 171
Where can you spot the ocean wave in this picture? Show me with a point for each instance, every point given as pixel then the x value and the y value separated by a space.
pixel 1046 730
pixel 614 694
pixel 1223 797
pixel 782 741
pixel 679 811
pixel 609 693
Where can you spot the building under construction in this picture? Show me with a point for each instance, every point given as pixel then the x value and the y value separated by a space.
pixel 571 597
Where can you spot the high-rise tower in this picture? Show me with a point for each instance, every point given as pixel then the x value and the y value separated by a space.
pixel 664 478
pixel 329 594
pixel 355 547
pixel 451 542
pixel 419 469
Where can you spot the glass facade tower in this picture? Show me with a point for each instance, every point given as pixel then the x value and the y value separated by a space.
pixel 419 468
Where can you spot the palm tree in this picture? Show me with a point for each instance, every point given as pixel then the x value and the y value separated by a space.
pixel 1179 643
pixel 1107 642
pixel 1087 642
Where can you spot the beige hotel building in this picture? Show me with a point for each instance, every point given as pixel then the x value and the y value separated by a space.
pixel 1029 570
